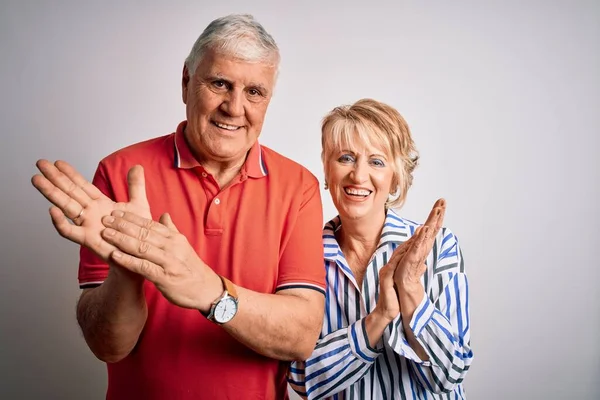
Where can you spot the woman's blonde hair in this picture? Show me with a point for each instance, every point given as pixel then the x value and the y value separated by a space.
pixel 372 123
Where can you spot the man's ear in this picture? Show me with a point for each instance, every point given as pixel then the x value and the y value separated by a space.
pixel 185 80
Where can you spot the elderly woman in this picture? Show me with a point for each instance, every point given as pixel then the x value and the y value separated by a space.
pixel 396 322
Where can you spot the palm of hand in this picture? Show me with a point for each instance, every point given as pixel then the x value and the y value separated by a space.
pixel 388 304
pixel 411 255
pixel 92 222
pixel 80 201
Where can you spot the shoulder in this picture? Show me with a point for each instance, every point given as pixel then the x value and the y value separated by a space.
pixel 142 152
pixel 447 252
pixel 285 169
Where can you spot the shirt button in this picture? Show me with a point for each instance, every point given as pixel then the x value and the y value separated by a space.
pixel 204 175
pixel 217 201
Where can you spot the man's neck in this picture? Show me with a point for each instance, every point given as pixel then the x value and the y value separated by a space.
pixel 223 172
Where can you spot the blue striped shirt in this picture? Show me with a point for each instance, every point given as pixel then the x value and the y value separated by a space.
pixel 345 366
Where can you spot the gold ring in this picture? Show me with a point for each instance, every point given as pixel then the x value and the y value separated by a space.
pixel 78 216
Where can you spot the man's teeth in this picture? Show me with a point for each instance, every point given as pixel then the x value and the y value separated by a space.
pixel 225 126
pixel 357 192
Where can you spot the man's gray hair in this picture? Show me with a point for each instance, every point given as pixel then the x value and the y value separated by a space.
pixel 237 35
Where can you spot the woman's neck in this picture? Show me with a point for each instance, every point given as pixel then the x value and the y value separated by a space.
pixel 358 239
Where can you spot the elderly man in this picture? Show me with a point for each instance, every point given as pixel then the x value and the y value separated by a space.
pixel 211 301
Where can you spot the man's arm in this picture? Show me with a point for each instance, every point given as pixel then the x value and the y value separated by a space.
pixel 112 315
pixel 284 325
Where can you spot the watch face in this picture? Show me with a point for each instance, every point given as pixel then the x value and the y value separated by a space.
pixel 225 310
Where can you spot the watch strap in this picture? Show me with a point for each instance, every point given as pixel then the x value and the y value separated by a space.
pixel 229 287
pixel 228 290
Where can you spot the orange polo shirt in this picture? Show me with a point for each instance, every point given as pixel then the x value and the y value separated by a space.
pixel 263 232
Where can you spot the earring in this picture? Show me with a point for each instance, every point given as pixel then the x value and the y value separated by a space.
pixel 393 196
pixel 326 186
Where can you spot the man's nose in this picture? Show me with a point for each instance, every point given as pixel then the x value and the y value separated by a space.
pixel 233 104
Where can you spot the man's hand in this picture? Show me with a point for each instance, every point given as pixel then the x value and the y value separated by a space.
pixel 78 200
pixel 162 255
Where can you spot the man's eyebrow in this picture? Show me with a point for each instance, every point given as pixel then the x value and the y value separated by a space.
pixel 262 88
pixel 217 77
pixel 220 77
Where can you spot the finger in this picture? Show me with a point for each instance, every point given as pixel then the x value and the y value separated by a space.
pixel 69 207
pixel 403 248
pixel 414 253
pixel 441 202
pixel 133 246
pixel 77 235
pixel 140 266
pixel 426 244
pixel 433 216
pixel 136 183
pixel 141 233
pixel 142 222
pixel 62 181
pixel 166 220
pixel 434 229
pixel 64 228
pixel 90 190
pixel 440 220
pixel 386 274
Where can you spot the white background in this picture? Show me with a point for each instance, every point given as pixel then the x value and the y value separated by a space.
pixel 503 101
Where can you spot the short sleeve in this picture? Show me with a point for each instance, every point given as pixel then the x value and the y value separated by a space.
pixel 302 263
pixel 92 269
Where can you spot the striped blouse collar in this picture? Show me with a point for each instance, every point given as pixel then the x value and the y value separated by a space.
pixel 395 230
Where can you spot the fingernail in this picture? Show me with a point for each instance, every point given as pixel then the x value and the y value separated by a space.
pixel 118 213
pixel 117 254
pixel 109 220
pixel 109 232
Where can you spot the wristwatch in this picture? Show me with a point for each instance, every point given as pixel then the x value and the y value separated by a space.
pixel 225 307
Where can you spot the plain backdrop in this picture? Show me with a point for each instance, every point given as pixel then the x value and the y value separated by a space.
pixel 503 100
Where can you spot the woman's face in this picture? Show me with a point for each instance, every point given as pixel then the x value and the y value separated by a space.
pixel 360 180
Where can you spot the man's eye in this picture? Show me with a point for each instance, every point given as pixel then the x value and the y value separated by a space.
pixel 219 84
pixel 254 92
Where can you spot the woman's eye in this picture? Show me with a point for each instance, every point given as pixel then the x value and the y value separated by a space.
pixel 378 163
pixel 346 158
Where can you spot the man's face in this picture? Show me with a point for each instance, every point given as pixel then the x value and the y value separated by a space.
pixel 226 102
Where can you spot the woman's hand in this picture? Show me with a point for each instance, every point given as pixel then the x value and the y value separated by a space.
pixel 412 254
pixel 388 306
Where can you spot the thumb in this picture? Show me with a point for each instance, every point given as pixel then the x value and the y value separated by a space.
pixel 166 220
pixel 386 274
pixel 136 184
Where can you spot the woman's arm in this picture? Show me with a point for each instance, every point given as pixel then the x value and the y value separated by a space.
pixel 435 334
pixel 342 357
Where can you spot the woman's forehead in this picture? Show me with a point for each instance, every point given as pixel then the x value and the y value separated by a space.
pixel 359 145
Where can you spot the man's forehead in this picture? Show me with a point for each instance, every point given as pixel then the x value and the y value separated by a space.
pixel 233 69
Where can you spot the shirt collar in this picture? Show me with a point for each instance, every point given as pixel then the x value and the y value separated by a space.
pixel 254 166
pixel 396 230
